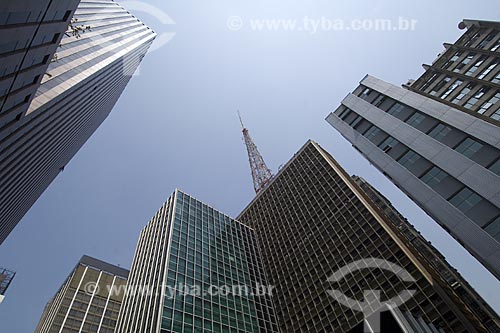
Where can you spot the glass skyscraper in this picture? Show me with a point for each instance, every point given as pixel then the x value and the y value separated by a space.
pixel 438 138
pixel 312 223
pixel 30 33
pixel 196 270
pixel 84 79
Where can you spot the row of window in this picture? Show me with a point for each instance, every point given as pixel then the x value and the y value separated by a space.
pixel 482 39
pixel 474 149
pixel 470 203
pixel 465 94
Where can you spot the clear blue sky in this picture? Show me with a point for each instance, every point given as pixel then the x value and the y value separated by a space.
pixel 176 126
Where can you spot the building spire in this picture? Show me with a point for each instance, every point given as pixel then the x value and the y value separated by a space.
pixel 261 174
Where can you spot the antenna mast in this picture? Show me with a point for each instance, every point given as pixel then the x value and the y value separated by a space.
pixel 261 174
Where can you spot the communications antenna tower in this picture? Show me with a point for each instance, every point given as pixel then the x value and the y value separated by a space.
pixel 261 174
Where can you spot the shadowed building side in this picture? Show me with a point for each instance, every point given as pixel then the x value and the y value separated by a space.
pixel 77 92
pixel 312 221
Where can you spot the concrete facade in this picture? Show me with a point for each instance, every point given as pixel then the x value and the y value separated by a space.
pixel 312 221
pixel 438 136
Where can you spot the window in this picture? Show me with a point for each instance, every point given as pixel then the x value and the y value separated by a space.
pixel 496 79
pixel 452 59
pixel 388 144
pixel 478 64
pixel 465 200
pixel 487 40
pixel 464 92
pixel 496 115
pixel 356 121
pixel 409 158
pixel 372 132
pixel 430 81
pixel 496 45
pixel 494 229
pixel 416 119
pixel 452 88
pixel 492 101
pixel 439 132
pixel 474 99
pixel 464 62
pixel 473 38
pixel 395 109
pixel 495 167
pixel 488 69
pixel 343 112
pixel 440 85
pixel 469 147
pixel 365 93
pixel 379 100
pixel 434 176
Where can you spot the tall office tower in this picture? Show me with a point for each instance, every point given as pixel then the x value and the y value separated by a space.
pixel 323 242
pixel 6 277
pixel 466 75
pixel 30 32
pixel 88 301
pixel 187 246
pixel 446 160
pixel 448 275
pixel 88 73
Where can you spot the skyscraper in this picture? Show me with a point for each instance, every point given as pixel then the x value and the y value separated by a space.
pixel 187 257
pixel 88 301
pixel 31 31
pixel 466 75
pixel 6 277
pixel 329 251
pixel 438 140
pixel 87 74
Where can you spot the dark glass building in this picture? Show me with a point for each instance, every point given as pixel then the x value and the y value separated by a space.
pixel 186 258
pixel 30 32
pixel 324 241
pixel 77 91
pixel 438 139
pixel 88 301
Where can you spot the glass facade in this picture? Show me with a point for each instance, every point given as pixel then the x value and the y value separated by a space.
pixel 209 249
pixel 78 90
pixel 213 279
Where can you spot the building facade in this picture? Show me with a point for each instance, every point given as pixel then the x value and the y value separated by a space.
pixel 438 139
pixel 187 255
pixel 93 64
pixel 88 301
pixel 448 275
pixel 30 33
pixel 6 277
pixel 314 223
pixel 466 75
